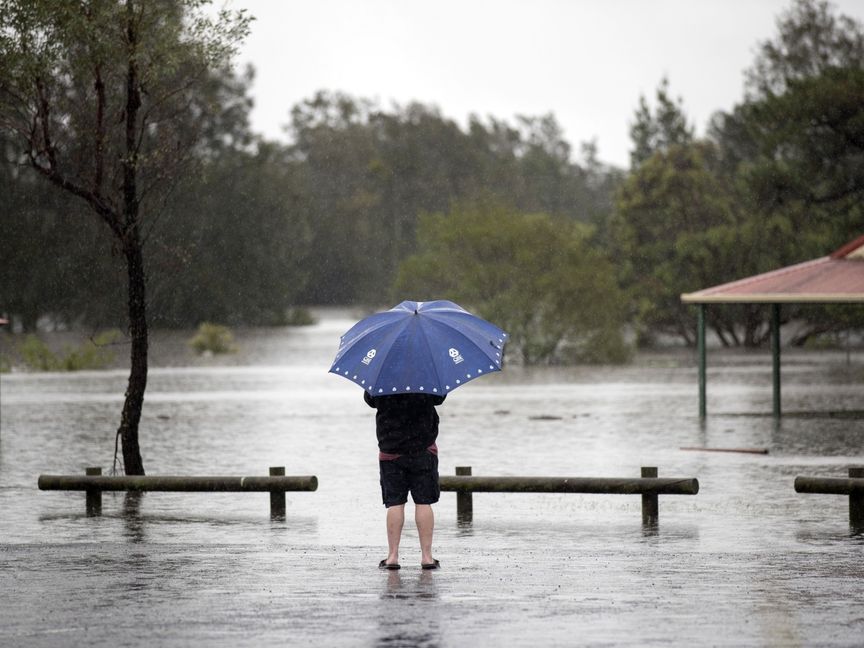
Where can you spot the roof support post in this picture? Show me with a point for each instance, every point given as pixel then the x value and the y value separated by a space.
pixel 700 344
pixel 775 356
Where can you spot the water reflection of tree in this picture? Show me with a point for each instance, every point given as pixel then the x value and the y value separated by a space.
pixel 133 523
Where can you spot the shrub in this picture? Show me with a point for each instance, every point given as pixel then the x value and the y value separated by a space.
pixel 92 354
pixel 213 338
pixel 37 355
pixel 299 316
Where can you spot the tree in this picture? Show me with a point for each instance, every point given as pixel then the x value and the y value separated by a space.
pixel 675 230
pixel 810 40
pixel 533 275
pixel 795 146
pixel 234 245
pixel 98 95
pixel 657 131
pixel 367 174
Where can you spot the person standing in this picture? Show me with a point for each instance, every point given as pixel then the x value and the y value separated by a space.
pixel 407 429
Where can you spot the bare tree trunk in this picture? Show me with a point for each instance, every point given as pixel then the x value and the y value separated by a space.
pixel 131 417
pixel 128 431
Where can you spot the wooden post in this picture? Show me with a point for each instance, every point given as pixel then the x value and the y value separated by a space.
pixel 94 495
pixel 464 499
pixel 856 503
pixel 650 504
pixel 277 498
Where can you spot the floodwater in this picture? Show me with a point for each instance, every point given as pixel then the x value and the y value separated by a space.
pixel 746 562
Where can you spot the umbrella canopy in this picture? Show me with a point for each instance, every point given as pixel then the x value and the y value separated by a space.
pixel 419 347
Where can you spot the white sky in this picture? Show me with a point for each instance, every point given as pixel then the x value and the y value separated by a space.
pixel 586 61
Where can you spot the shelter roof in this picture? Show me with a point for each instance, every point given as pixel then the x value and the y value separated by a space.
pixel 836 278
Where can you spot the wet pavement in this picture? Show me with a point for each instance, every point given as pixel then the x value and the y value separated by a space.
pixel 746 562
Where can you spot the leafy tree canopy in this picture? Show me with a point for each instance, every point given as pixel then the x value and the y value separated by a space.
pixel 532 274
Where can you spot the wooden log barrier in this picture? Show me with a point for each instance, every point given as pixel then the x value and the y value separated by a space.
pixel 649 486
pixel 93 483
pixel 853 487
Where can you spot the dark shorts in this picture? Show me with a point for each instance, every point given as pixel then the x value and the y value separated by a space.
pixel 418 474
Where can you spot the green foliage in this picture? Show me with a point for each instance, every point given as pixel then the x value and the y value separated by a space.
pixel 213 338
pixel 675 230
pixel 300 317
pixel 235 249
pixel 92 354
pixel 37 355
pixel 658 131
pixel 778 183
pixel 810 40
pixel 326 220
pixel 366 175
pixel 532 274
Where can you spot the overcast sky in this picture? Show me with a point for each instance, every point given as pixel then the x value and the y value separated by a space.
pixel 586 61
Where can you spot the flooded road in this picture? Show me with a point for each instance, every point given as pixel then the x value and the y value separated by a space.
pixel 746 562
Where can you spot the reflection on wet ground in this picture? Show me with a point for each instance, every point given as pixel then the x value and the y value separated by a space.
pixel 746 562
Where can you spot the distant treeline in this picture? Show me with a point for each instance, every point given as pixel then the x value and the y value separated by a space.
pixel 368 203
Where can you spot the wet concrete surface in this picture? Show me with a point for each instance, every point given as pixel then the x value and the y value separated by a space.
pixel 746 562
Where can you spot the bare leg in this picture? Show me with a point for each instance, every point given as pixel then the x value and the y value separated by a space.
pixel 425 519
pixel 395 521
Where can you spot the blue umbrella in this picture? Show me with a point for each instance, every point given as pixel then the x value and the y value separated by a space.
pixel 419 347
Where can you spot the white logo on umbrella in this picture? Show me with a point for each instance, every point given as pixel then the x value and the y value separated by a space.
pixel 457 358
pixel 370 354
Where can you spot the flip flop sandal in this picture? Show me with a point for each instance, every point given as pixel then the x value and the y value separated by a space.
pixel 385 565
pixel 432 565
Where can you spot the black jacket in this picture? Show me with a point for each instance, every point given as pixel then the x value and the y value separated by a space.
pixel 405 423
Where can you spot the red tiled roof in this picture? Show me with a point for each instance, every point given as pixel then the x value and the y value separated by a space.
pixel 838 277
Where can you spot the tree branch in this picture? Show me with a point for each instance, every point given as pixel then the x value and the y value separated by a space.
pixel 109 215
pixel 99 152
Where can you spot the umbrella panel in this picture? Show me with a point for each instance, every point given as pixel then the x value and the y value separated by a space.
pixel 413 348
